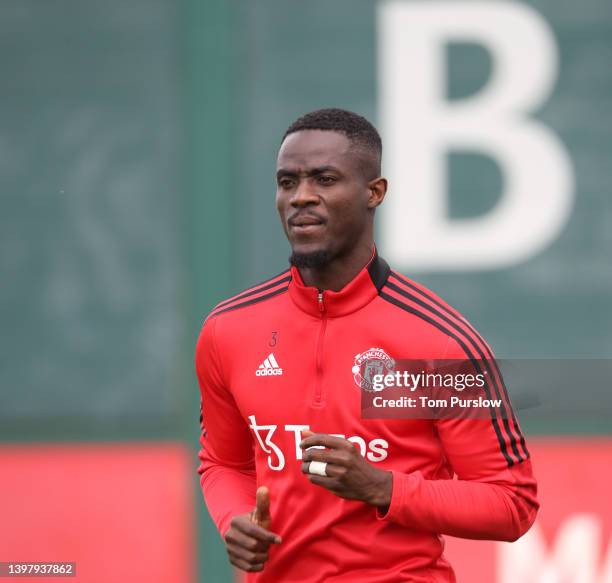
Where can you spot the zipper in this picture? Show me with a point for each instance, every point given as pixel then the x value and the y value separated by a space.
pixel 318 396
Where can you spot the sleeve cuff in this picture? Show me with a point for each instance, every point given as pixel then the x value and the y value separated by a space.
pixel 402 485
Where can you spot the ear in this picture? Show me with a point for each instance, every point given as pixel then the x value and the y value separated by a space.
pixel 378 189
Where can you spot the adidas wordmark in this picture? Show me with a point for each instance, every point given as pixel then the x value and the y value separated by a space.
pixel 269 367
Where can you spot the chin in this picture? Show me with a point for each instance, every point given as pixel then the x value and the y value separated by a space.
pixel 310 256
pixel 307 246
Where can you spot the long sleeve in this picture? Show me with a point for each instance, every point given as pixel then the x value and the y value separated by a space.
pixel 227 467
pixel 494 495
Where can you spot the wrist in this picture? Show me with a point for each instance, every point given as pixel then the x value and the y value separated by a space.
pixel 383 489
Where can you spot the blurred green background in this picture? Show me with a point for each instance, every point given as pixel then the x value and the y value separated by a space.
pixel 137 150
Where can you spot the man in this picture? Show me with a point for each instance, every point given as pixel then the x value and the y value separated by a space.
pixel 300 485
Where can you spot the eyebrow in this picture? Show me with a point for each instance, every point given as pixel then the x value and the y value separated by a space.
pixel 312 172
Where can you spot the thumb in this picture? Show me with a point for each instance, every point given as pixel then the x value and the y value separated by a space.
pixel 261 514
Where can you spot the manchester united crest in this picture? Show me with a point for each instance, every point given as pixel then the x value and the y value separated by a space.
pixel 367 364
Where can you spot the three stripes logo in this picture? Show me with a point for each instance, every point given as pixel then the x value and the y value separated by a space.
pixel 269 367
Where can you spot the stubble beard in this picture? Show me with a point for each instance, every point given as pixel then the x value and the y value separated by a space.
pixel 312 260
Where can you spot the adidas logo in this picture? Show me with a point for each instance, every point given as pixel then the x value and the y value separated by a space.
pixel 269 367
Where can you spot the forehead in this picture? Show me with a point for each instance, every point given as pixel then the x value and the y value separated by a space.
pixel 314 148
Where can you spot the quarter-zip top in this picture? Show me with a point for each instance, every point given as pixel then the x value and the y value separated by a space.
pixel 282 358
pixel 319 400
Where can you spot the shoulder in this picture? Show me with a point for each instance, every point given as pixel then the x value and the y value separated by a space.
pixel 253 297
pixel 405 292
pixel 231 310
pixel 414 298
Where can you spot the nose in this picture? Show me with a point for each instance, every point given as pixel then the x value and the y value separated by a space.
pixel 304 194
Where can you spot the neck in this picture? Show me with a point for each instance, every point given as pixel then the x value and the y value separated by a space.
pixel 338 272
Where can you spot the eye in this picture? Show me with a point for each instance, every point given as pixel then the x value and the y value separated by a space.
pixel 286 183
pixel 326 180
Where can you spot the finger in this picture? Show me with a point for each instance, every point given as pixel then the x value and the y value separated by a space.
pixel 241 564
pixel 253 529
pixel 331 470
pixel 237 538
pixel 330 456
pixel 334 486
pixel 329 483
pixel 239 552
pixel 325 440
pixel 262 508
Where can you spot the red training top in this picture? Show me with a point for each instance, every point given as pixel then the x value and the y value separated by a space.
pixel 280 358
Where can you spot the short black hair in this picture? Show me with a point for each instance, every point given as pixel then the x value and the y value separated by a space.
pixel 362 134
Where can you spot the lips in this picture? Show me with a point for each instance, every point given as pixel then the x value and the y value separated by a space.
pixel 306 230
pixel 305 226
pixel 305 221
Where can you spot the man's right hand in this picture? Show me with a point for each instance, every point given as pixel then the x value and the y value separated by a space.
pixel 247 540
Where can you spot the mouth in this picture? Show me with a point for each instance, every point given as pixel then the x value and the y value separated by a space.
pixel 306 224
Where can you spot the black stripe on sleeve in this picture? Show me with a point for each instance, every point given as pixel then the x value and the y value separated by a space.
pixel 490 358
pixel 256 289
pixel 468 337
pixel 251 302
pixel 459 340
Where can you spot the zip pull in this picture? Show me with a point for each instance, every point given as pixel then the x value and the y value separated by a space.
pixel 321 304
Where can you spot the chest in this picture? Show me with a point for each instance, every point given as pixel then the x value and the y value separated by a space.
pixel 295 373
pixel 311 372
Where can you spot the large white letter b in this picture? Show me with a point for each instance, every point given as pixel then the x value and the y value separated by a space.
pixel 420 127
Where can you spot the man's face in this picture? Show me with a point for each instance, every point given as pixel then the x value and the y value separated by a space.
pixel 321 194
